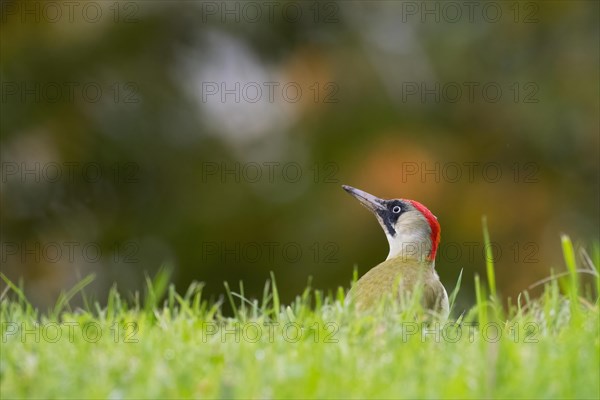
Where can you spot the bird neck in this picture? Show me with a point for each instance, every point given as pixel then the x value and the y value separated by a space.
pixel 410 247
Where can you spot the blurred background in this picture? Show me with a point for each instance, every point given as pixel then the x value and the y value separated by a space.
pixel 214 137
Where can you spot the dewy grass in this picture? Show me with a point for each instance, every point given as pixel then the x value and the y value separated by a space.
pixel 172 345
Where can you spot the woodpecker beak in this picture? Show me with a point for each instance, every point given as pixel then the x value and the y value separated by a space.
pixel 368 200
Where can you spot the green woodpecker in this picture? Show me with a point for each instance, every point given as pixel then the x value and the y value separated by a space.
pixel 413 233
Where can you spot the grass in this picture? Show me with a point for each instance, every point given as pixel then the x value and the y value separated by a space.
pixel 172 345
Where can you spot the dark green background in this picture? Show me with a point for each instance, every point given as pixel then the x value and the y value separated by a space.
pixel 156 142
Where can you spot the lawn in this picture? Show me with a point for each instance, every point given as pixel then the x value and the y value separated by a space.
pixel 167 345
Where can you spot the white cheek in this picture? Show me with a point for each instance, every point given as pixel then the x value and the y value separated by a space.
pixel 412 225
pixel 412 236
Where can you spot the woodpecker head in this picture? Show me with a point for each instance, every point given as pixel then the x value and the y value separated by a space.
pixel 411 229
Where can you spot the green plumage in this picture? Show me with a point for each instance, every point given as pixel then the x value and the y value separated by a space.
pixel 402 274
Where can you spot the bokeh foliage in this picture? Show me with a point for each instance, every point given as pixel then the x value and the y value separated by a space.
pixel 155 140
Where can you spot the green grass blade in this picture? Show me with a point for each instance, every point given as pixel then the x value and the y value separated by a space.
pixel 489 258
pixel 231 301
pixel 481 305
pixel 15 289
pixel 571 263
pixel 64 298
pixel 276 305
pixel 156 288
pixel 452 298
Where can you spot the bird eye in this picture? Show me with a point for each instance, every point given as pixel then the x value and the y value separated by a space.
pixel 396 209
